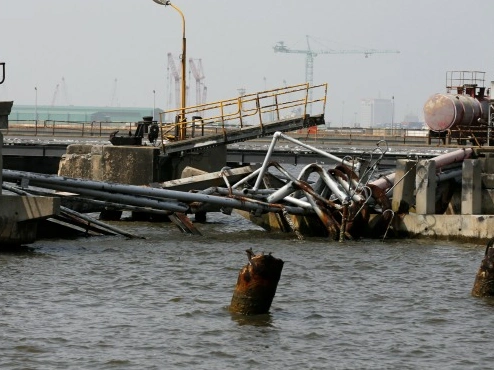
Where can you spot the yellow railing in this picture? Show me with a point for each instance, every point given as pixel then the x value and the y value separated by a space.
pixel 247 110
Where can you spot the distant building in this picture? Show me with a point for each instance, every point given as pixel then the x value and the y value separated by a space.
pixel 80 114
pixel 412 121
pixel 376 112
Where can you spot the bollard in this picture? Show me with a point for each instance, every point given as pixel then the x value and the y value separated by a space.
pixel 256 284
pixel 484 281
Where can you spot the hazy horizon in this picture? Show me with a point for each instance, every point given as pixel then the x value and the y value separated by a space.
pixel 90 44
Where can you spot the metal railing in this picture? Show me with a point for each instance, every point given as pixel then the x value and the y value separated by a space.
pixel 248 110
pixel 96 129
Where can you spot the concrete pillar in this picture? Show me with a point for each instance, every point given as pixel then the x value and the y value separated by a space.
pixel 403 192
pixel 488 163
pixel 1 162
pixel 425 183
pixel 471 187
pixel 5 108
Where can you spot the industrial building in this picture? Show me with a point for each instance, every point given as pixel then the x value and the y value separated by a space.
pixel 79 113
pixel 376 112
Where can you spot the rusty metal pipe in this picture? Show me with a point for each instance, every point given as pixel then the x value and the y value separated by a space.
pixel 442 160
pixel 256 284
pixel 282 192
pixel 327 220
pixel 276 136
pixel 69 184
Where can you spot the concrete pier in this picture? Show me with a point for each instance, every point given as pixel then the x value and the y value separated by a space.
pixel 425 184
pixel 135 165
pixel 19 215
pixel 470 212
pixel 471 187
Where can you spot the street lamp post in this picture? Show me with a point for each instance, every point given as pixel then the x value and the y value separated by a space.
pixel 392 114
pixel 154 102
pixel 182 122
pixel 342 113
pixel 36 105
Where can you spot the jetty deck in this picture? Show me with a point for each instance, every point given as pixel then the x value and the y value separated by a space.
pixel 243 134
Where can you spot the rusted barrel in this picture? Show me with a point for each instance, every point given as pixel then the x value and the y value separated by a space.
pixel 256 284
pixel 484 281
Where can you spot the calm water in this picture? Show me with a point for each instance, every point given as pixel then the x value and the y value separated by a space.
pixel 161 303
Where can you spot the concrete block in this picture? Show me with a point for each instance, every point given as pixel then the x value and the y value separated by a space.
pixel 133 165
pixel 207 180
pixel 467 227
pixel 79 149
pixel 97 168
pixel 487 201
pixel 488 163
pixel 97 149
pixel 19 217
pixel 425 183
pixel 471 187
pixel 75 165
pixel 403 192
pixel 23 208
pixel 487 180
pixel 191 171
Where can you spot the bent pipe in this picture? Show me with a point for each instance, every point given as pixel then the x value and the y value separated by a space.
pixel 69 184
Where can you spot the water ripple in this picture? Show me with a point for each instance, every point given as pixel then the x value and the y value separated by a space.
pixel 162 302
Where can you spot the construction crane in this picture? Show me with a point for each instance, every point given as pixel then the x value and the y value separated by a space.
pixel 204 94
pixel 176 77
pixel 65 92
pixel 310 54
pixel 198 73
pixel 113 100
pixel 55 93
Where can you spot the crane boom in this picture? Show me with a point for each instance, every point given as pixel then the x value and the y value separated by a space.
pixel 280 47
pixel 198 73
pixel 176 77
pixel 55 93
pixel 113 99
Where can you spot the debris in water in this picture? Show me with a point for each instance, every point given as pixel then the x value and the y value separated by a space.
pixel 256 284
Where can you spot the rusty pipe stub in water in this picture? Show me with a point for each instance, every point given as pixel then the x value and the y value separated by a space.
pixel 256 284
pixel 484 280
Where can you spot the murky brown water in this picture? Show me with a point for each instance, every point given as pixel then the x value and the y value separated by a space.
pixel 161 303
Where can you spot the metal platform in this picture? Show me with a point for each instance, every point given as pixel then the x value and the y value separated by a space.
pixel 243 118
pixel 244 134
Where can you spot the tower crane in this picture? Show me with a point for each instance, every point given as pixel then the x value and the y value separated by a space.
pixel 198 73
pixel 204 94
pixel 55 93
pixel 113 100
pixel 176 77
pixel 310 54
pixel 65 92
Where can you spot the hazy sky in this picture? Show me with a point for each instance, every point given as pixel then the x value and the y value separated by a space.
pixel 90 43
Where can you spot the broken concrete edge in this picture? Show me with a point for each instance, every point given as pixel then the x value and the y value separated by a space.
pixel 19 217
pixel 464 228
pixel 23 208
pixel 205 180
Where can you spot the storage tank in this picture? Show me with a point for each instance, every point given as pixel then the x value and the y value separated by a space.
pixel 443 112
